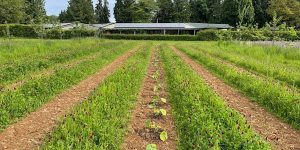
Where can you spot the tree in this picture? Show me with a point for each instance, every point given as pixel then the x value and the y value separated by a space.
pixel 80 10
pixel 118 11
pixel 12 11
pixel 261 15
pixel 128 11
pixel 35 11
pixel 287 9
pixel 182 11
pixel 64 17
pixel 165 12
pixel 144 11
pixel 106 12
pixel 214 14
pixel 199 11
pixel 99 12
pixel 238 12
pixel 87 11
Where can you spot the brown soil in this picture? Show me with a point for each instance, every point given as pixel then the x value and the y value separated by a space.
pixel 30 131
pixel 278 133
pixel 138 136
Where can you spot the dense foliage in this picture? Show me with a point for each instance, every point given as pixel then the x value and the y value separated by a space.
pixel 234 12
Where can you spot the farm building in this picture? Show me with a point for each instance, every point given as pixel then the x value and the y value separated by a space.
pixel 145 28
pixel 160 28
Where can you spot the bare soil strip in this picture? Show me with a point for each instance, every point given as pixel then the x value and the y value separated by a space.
pixel 138 136
pixel 29 132
pixel 278 133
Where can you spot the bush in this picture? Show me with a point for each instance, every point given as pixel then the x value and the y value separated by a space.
pixel 209 35
pixel 68 34
pixel 18 30
pixel 151 37
pixel 54 34
pixel 248 35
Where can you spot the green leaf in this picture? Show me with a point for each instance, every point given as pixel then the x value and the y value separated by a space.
pixel 163 136
pixel 163 100
pixel 148 123
pixel 163 112
pixel 151 147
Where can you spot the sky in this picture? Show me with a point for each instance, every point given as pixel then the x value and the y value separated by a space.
pixel 54 7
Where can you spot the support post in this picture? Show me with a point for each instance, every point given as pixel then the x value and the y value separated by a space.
pixel 164 31
pixel 178 32
pixel 134 32
pixel 194 32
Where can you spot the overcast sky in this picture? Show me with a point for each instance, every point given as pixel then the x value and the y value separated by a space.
pixel 53 7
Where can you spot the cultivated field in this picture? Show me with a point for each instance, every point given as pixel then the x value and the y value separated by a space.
pixel 115 94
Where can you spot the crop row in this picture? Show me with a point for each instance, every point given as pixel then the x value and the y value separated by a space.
pixel 36 92
pixel 27 49
pixel 279 68
pixel 203 120
pixel 275 97
pixel 18 69
pixel 100 122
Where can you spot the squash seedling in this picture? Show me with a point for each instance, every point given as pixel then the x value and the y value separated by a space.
pixel 163 100
pixel 160 112
pixel 151 147
pixel 153 126
pixel 163 136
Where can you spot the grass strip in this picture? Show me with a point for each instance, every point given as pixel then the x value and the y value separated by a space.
pixel 19 69
pixel 274 97
pixel 100 122
pixel 202 118
pixel 271 68
pixel 33 94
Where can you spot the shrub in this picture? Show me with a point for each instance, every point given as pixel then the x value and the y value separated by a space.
pixel 68 34
pixel 54 34
pixel 209 35
pixel 18 30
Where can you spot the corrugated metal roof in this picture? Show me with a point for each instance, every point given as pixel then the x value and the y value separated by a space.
pixel 210 26
pixel 149 25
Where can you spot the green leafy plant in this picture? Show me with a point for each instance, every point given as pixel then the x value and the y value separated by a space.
pixel 160 112
pixel 151 147
pixel 163 136
pixel 163 100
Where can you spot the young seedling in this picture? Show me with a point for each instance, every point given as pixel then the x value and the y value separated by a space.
pixel 163 100
pixel 160 112
pixel 163 136
pixel 151 147
pixel 152 126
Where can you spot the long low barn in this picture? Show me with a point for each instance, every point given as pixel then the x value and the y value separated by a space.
pixel 160 28
pixel 146 28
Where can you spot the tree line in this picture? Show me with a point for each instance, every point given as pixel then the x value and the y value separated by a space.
pixel 22 11
pixel 233 12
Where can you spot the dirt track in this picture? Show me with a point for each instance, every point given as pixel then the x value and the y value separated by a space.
pixel 138 136
pixel 280 134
